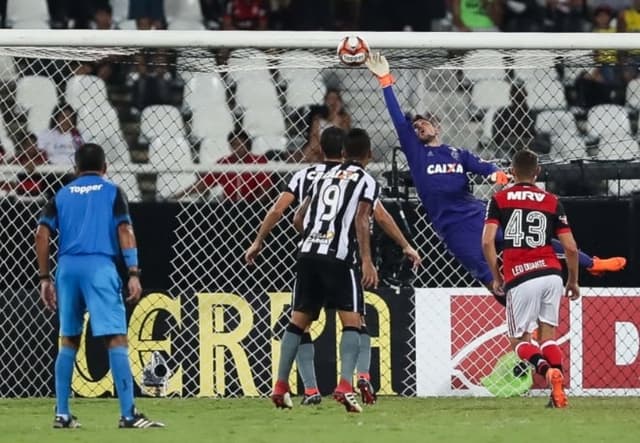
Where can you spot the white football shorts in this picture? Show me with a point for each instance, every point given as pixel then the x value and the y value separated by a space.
pixel 532 301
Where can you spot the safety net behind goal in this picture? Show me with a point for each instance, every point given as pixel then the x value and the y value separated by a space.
pixel 169 119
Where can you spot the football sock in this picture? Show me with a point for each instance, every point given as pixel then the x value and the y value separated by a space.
pixel 364 354
pixel 552 353
pixel 63 372
pixel 584 260
pixel 122 378
pixel 531 353
pixel 349 345
pixel 304 359
pixel 288 350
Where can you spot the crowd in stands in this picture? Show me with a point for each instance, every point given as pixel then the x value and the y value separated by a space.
pixel 153 79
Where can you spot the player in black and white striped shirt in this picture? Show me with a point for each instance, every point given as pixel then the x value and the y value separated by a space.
pixel 336 222
pixel 331 143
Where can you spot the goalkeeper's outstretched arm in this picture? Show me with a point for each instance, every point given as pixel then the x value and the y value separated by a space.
pixel 379 66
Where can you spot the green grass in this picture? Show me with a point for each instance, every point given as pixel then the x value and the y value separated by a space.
pixel 392 420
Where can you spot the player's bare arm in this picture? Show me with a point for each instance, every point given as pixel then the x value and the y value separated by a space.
pixel 571 253
pixel 270 220
pixel 391 228
pixel 298 218
pixel 127 241
pixel 369 273
pixel 491 255
pixel 47 289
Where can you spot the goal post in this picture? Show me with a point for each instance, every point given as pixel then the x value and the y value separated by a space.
pixel 163 105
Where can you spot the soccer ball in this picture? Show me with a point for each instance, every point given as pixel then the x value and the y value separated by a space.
pixel 353 50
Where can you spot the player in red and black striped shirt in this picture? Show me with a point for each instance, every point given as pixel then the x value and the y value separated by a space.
pixel 531 276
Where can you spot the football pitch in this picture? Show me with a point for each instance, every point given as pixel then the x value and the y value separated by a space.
pixel 392 420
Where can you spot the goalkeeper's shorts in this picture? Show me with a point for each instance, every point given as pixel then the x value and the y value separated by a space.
pixel 90 283
pixel 465 245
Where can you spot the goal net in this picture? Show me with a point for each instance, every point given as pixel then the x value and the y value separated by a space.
pixel 163 106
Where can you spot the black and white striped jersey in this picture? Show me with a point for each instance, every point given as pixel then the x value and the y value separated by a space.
pixel 303 180
pixel 328 228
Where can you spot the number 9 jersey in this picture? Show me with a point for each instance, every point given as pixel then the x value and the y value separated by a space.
pixel 529 217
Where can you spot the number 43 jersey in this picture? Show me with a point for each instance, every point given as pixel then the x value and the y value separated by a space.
pixel 529 217
pixel 328 227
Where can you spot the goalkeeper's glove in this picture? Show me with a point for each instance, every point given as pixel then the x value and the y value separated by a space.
pixel 379 65
pixel 500 178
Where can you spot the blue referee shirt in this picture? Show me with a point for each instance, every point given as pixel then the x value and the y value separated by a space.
pixel 86 213
pixel 440 174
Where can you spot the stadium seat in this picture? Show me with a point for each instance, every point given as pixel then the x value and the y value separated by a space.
pixel 633 94
pixel 206 99
pixel 185 25
pixel 623 187
pixel 545 93
pixel 22 10
pixel 127 25
pixel 161 121
pixel 171 153
pixel 120 10
pixel 250 64
pixel 265 143
pixel 483 64
pixel 168 184
pixel 264 121
pixel 256 93
pixel 32 23
pixel 8 72
pixel 304 81
pixel 36 95
pixel 490 94
pixel 100 125
pixel 6 142
pixel 606 120
pixel 213 149
pixel 183 10
pixel 556 122
pixel 129 184
pixel 86 90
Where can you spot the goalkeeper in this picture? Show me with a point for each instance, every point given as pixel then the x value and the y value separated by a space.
pixel 439 172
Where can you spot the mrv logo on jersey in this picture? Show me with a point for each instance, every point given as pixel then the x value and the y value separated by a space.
pixel 525 195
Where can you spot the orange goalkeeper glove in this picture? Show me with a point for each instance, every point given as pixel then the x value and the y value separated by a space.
pixel 379 65
pixel 500 178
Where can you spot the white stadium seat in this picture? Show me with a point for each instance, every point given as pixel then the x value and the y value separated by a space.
pixel 120 10
pixel 605 120
pixel 490 94
pixel 483 64
pixel 256 93
pixel 32 23
pixel 249 64
pixel 100 125
pixel 205 97
pixel 183 10
pixel 556 122
pixel 546 93
pixel 8 71
pixel 633 93
pixel 171 153
pixel 265 143
pixel 169 184
pixel 185 25
pixel 20 10
pixel 213 149
pixel 37 95
pixel 161 121
pixel 264 121
pixel 85 90
pixel 129 184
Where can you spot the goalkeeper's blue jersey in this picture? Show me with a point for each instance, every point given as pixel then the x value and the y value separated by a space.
pixel 440 174
pixel 86 213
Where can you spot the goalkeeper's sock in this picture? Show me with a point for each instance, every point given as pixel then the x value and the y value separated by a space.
pixel 305 361
pixel 364 354
pixel 122 378
pixel 584 260
pixel 63 372
pixel 552 353
pixel 288 350
pixel 531 353
pixel 349 345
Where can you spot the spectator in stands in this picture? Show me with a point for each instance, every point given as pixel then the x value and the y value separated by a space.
pixel 607 70
pixel 477 15
pixel 152 82
pixel 513 125
pixel 629 18
pixel 246 15
pixel 61 140
pixel 69 13
pixel 212 13
pixel 28 182
pixel 522 16
pixel 148 14
pixel 309 15
pixel 103 17
pixel 237 186
pixel 565 15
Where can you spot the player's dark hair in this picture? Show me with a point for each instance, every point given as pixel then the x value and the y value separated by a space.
pixel 428 116
pixel 331 141
pixel 357 144
pixel 525 163
pixel 242 135
pixel 89 157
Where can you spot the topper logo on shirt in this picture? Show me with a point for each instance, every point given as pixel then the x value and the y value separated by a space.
pixel 84 189
pixel 445 168
pixel 525 195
